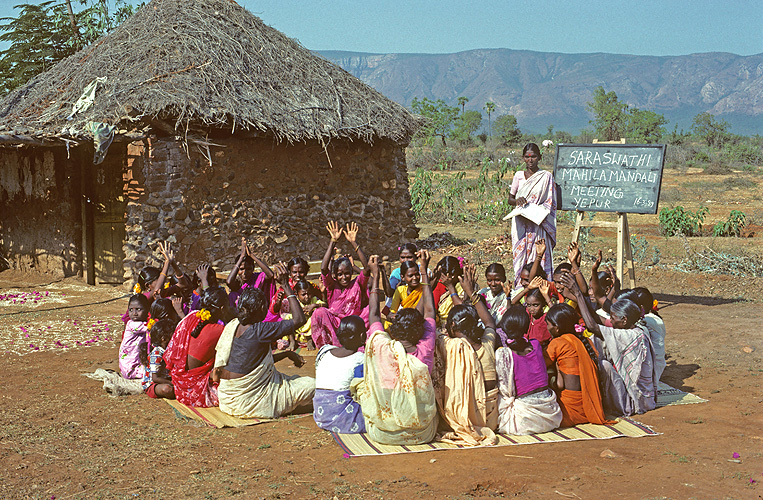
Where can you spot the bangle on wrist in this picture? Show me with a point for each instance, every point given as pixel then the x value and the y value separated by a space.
pixel 454 294
pixel 292 295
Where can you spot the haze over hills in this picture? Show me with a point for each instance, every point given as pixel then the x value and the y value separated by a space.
pixel 544 88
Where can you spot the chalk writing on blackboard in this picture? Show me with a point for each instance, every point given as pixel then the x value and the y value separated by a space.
pixel 609 177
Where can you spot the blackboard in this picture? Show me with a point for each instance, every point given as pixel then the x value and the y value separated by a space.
pixel 609 177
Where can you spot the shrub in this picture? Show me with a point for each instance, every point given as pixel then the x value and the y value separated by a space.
pixel 732 226
pixel 679 221
pixel 718 167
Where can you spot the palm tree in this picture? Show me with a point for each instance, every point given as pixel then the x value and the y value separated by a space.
pixel 462 102
pixel 489 107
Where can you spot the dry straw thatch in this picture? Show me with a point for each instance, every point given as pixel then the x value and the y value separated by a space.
pixel 201 64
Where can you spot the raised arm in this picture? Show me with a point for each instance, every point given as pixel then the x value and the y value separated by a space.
pixel 335 232
pixel 260 263
pixel 374 314
pixel 590 321
pixel 388 290
pixel 351 233
pixel 598 291
pixel 427 299
pixel 169 256
pixel 573 255
pixel 201 272
pixel 234 272
pixel 295 308
pixel 469 282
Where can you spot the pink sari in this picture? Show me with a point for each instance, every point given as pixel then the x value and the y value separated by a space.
pixel 342 302
pixel 540 190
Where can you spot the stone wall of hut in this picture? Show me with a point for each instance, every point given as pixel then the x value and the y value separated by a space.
pixel 278 196
pixel 40 211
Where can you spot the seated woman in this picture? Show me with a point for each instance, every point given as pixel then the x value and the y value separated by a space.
pixel 447 286
pixel 526 404
pixel 408 293
pixel 190 355
pixel 577 381
pixel 345 295
pixel 396 394
pixel 626 364
pixel 335 368
pixel 250 386
pixel 465 377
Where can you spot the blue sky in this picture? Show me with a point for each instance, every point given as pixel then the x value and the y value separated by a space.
pixel 665 27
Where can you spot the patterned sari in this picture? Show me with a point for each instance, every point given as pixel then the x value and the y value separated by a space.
pixel 538 189
pixel 396 394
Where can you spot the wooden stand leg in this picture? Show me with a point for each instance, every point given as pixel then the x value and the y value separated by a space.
pixel 629 267
pixel 576 231
pixel 620 246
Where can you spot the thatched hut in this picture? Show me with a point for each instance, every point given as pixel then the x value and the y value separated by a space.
pixel 222 127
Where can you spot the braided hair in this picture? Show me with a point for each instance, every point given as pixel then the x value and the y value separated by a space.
pixel 565 318
pixel 464 318
pixel 516 323
pixel 162 309
pixel 351 332
pixel 161 333
pixel 214 300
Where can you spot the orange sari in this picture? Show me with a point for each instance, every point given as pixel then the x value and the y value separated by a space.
pixel 584 406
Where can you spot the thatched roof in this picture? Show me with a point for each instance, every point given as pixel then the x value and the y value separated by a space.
pixel 202 64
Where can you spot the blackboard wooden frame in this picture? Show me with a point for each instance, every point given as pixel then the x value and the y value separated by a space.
pixel 647 195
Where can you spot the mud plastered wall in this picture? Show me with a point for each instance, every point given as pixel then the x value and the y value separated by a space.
pixel 40 221
pixel 278 196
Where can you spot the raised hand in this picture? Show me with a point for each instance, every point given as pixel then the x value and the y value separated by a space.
pixel 535 283
pixel 424 257
pixel 596 263
pixel 351 232
pixel 166 250
pixel 373 264
pixel 544 287
pixel 201 271
pixel 281 274
pixel 469 278
pixel 540 247
pixel 244 248
pixel 568 281
pixel 334 230
pixel 573 254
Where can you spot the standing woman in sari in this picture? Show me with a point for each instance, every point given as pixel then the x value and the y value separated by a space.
pixel 532 186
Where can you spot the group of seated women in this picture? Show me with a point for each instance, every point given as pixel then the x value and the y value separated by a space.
pixel 441 359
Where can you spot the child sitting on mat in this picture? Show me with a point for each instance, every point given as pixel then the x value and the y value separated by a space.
pixel 157 382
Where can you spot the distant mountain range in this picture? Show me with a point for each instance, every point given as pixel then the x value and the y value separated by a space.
pixel 545 88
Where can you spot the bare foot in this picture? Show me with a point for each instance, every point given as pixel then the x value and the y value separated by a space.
pixel 310 345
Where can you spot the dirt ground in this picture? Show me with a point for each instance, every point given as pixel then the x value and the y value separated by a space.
pixel 64 437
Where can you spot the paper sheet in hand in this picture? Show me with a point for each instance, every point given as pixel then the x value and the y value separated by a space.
pixel 531 211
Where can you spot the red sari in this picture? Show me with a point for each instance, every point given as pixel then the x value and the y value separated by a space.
pixel 192 387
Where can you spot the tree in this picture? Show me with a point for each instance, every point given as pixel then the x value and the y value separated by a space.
pixel 645 126
pixel 466 125
pixel 440 118
pixel 462 102
pixel 45 33
pixel 707 128
pixel 489 107
pixel 610 118
pixel 506 129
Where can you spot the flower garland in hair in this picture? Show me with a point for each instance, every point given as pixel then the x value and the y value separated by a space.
pixel 137 288
pixel 203 315
pixel 460 261
pixel 654 306
pixel 151 322
pixel 166 285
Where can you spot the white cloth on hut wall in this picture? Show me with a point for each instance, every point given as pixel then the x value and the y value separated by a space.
pixel 103 136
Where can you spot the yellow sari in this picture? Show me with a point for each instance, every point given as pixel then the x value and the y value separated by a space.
pixel 405 299
pixel 396 394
